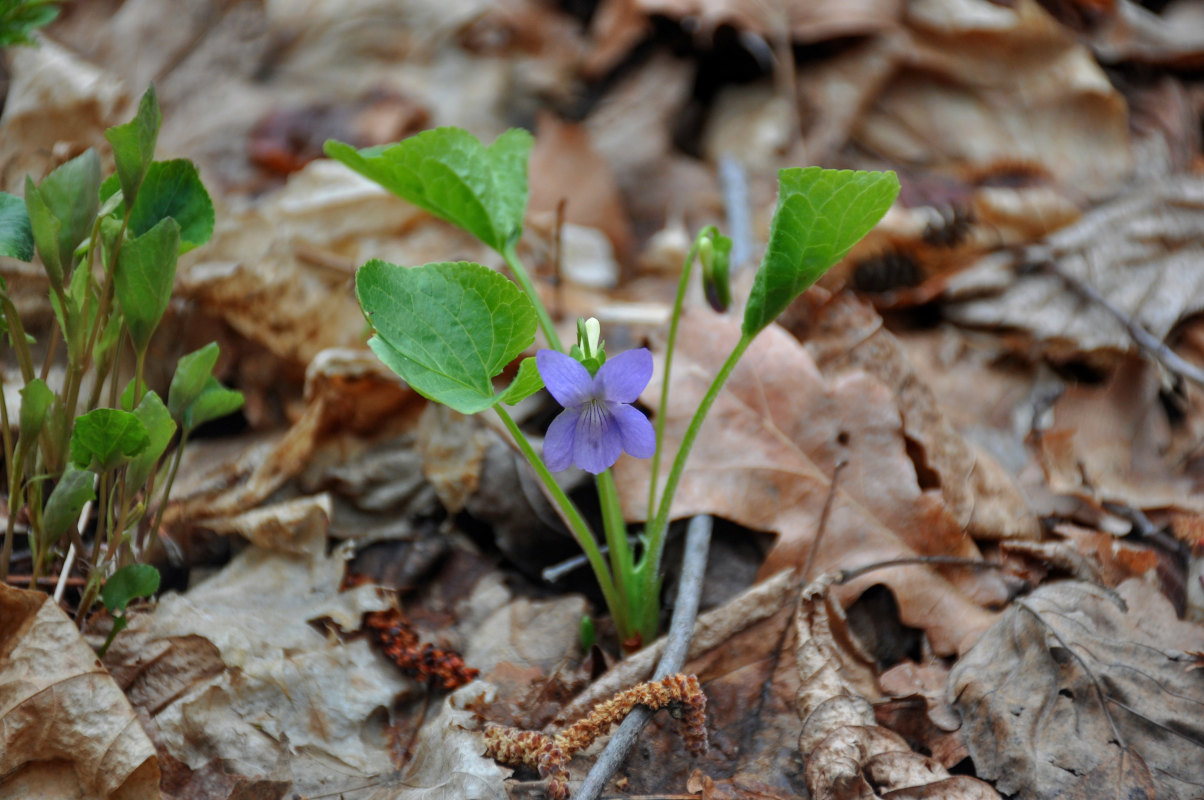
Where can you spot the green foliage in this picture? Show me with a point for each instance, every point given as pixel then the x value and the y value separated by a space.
pixel 36 399
pixel 160 427
pixel 20 18
pixel 146 271
pixel 173 189
pixel 126 234
pixel 16 234
pixel 446 328
pixel 192 372
pixel 75 488
pixel 821 214
pixel 127 583
pixel 214 402
pixel 134 144
pixel 526 383
pixel 449 173
pixel 61 211
pixel 106 438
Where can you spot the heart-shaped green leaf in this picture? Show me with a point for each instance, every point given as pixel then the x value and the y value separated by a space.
pixel 134 144
pixel 446 328
pixel 173 189
pixel 821 214
pixel 449 173
pixel 106 438
pixel 16 234
pixel 145 274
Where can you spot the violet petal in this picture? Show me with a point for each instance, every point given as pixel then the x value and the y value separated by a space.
pixel 596 443
pixel 622 378
pixel 635 431
pixel 558 441
pixel 566 380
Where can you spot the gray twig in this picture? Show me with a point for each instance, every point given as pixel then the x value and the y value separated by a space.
pixel 1145 340
pixel 677 643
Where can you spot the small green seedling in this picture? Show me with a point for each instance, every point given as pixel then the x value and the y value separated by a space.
pixel 126 584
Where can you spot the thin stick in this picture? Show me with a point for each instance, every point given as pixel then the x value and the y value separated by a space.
pixel 677 644
pixel 846 575
pixel 823 520
pixel 1145 340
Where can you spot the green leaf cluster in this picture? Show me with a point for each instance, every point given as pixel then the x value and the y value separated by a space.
pixel 110 250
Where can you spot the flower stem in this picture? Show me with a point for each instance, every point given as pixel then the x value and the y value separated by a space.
pixel 576 523
pixel 654 531
pixel 662 407
pixel 621 565
pixel 541 311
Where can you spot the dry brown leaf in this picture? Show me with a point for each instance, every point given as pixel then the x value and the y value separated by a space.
pixel 66 729
pixel 847 334
pixel 847 754
pixel 1141 252
pixel 1073 694
pixel 241 675
pixel 564 166
pixel 1113 443
pixel 765 457
pixel 978 89
pixel 56 106
pixel 1133 32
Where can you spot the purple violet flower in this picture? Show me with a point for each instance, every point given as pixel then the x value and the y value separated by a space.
pixel 597 423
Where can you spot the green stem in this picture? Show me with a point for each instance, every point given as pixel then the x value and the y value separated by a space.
pixel 17 334
pixel 576 523
pixel 621 565
pixel 524 280
pixel 662 407
pixel 177 456
pixel 14 483
pixel 655 532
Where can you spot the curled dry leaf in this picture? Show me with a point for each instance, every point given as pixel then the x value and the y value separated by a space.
pixel 765 457
pixel 1140 252
pixel 1080 692
pixel 847 754
pixel 66 728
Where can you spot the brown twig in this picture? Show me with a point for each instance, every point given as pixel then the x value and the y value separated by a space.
pixel 823 519
pixel 846 575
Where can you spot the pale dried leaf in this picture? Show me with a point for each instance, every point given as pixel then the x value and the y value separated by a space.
pixel 977 89
pixel 1071 694
pixel 1141 252
pixel 66 729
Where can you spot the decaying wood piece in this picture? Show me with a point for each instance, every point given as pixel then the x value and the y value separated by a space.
pixel 847 754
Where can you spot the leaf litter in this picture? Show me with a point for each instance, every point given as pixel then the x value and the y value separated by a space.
pixel 972 439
